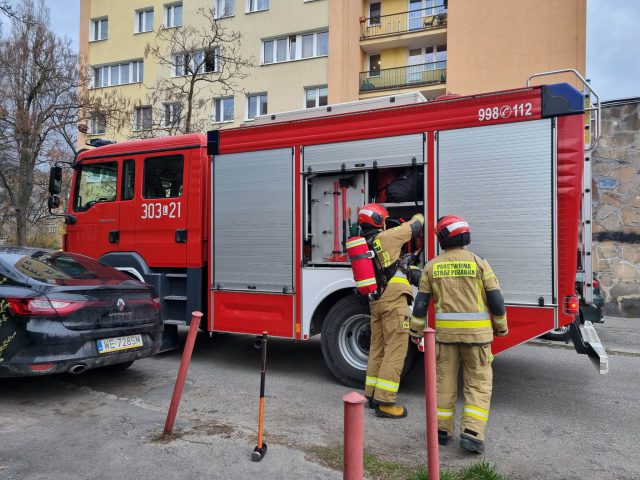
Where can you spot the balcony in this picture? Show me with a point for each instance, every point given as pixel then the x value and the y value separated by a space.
pixel 403 77
pixel 405 22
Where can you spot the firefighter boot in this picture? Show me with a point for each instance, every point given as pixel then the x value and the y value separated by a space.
pixel 443 437
pixel 372 402
pixel 390 411
pixel 469 442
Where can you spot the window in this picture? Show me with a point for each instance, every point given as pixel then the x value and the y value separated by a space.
pixel 173 15
pixel 374 13
pixel 97 124
pixel 224 8
pixel 142 118
pixel 96 182
pixel 257 5
pixel 223 110
pixel 128 179
pixel 256 105
pixel 119 74
pixel 198 62
pixel 315 97
pixel 163 177
pixel 435 54
pixel 53 229
pixel 374 65
pixel 99 29
pixel 171 114
pixel 143 20
pixel 295 47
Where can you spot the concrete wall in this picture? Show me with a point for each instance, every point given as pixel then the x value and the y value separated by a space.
pixel 616 207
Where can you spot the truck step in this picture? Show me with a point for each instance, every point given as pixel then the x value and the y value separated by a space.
pixel 176 275
pixel 174 322
pixel 179 298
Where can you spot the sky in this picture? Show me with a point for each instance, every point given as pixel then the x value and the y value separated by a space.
pixel 613 42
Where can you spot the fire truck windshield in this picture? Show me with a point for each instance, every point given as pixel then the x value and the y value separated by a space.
pixel 96 182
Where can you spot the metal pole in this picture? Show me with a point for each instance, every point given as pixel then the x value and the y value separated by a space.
pixel 353 436
pixel 431 395
pixel 182 373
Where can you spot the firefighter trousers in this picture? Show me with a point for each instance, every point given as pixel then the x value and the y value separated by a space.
pixel 388 350
pixel 477 377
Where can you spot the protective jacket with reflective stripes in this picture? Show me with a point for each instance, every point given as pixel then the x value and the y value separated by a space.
pixel 458 280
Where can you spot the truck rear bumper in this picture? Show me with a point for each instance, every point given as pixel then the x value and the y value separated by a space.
pixel 586 341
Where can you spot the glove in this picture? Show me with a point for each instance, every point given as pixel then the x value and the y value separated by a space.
pixel 416 326
pixel 415 274
pixel 419 217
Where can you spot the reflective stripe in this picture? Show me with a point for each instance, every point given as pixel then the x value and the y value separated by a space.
pixel 400 280
pixel 488 275
pixel 371 381
pixel 456 225
pixel 476 412
pixel 387 385
pixel 353 243
pixel 463 324
pixel 479 291
pixel 462 316
pixel 366 282
pixel 445 413
pixel 386 259
pixel 366 211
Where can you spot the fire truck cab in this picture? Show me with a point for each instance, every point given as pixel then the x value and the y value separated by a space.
pixel 249 224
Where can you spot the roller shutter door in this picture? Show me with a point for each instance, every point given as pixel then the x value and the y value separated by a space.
pixel 500 179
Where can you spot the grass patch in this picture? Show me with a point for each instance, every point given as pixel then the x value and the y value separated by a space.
pixel 478 471
pixel 376 469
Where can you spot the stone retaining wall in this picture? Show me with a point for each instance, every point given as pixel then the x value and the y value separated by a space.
pixel 616 207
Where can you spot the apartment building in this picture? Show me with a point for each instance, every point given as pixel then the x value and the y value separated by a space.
pixel 309 53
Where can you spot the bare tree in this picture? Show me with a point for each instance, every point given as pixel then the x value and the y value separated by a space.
pixel 42 90
pixel 198 58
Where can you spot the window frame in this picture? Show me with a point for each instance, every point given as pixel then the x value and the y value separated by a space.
pixel 174 109
pixel 219 106
pixel 124 183
pixel 258 103
pixel 78 182
pixel 250 3
pixel 232 10
pixel 141 13
pixel 164 158
pixel 190 56
pixel 316 89
pixel 101 74
pixel 92 122
pixel 97 23
pixel 170 15
pixel 139 127
pixel 294 47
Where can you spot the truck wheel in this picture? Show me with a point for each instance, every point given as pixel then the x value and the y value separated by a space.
pixel 345 340
pixel 559 335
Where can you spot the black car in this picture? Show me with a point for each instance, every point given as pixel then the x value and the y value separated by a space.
pixel 62 312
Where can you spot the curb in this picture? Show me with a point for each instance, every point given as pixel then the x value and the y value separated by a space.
pixel 562 346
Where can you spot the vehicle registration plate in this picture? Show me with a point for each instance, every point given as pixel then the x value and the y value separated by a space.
pixel 108 345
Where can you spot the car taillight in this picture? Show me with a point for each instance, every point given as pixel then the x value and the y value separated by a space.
pixel 42 306
pixel 596 283
pixel 155 300
pixel 571 305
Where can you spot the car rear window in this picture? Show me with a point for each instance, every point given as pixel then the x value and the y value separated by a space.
pixel 63 268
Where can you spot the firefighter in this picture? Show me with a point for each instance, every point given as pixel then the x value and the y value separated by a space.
pixel 389 310
pixel 469 310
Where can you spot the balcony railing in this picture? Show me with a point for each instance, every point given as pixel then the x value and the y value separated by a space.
pixel 413 21
pixel 401 77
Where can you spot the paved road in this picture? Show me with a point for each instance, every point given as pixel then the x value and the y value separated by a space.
pixel 553 417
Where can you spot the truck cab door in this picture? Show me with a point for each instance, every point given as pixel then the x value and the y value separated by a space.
pixel 95 204
pixel 161 217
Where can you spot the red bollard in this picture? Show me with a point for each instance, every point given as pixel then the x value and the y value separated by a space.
pixel 431 395
pixel 353 436
pixel 182 373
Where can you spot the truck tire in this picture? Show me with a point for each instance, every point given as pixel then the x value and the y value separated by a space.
pixel 345 341
pixel 559 335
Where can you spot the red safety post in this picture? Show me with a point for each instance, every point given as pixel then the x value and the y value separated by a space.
pixel 431 395
pixel 353 436
pixel 182 373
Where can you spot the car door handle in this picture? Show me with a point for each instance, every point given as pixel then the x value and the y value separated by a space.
pixel 114 236
pixel 181 236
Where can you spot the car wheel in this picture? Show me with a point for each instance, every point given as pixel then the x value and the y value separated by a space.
pixel 560 334
pixel 345 341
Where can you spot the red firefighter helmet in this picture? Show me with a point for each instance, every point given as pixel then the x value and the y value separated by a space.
pixel 372 214
pixel 453 231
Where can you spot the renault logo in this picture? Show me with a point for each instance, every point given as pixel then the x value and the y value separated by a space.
pixel 121 305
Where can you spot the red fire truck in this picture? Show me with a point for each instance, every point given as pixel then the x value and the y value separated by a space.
pixel 249 224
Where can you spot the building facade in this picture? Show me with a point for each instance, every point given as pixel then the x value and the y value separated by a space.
pixel 309 53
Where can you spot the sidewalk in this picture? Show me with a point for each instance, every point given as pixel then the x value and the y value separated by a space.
pixel 620 335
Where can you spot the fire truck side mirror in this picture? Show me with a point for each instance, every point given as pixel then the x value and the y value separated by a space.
pixel 54 202
pixel 55 181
